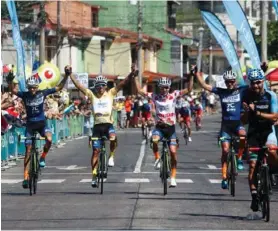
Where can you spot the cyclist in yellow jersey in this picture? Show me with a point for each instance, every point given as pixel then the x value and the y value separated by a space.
pixel 102 102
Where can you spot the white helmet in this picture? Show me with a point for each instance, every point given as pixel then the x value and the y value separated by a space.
pixel 164 82
pixel 100 80
pixel 33 80
pixel 229 75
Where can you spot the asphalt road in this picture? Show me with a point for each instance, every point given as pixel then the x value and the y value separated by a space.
pixel 133 194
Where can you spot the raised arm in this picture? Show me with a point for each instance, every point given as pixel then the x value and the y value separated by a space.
pixel 189 87
pixel 202 82
pixel 63 82
pixel 123 82
pixel 78 85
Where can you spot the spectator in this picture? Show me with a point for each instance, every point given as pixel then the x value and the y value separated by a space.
pixel 128 107
pixel 211 101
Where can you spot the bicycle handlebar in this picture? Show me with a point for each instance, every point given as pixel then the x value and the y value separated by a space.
pixel 103 138
pixel 261 148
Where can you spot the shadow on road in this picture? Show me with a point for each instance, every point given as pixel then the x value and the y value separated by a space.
pixel 214 215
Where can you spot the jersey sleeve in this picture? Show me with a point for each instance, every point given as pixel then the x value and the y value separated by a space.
pixel 273 103
pixel 21 94
pixel 89 94
pixel 113 91
pixel 177 93
pixel 215 90
pixel 50 91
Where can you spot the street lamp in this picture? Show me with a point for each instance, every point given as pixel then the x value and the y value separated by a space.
pixel 199 60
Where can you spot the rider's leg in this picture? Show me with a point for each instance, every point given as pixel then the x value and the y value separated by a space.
pixel 241 134
pixel 173 152
pixel 26 165
pixel 188 127
pixel 94 161
pixel 225 151
pixel 47 146
pixel 156 136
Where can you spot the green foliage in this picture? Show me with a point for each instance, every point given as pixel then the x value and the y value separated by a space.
pixel 23 8
pixel 272 38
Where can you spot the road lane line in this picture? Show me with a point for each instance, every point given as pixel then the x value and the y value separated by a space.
pixel 141 157
pixel 8 181
pixel 137 180
pixel 184 181
pixel 215 181
pixel 89 180
pixel 51 181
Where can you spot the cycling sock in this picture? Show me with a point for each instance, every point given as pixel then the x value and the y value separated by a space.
pixel 224 170
pixel 112 154
pixel 43 155
pixel 173 173
pixel 156 155
pixel 94 172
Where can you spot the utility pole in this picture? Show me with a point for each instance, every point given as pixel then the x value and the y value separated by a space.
pixel 264 10
pixel 210 49
pixel 42 32
pixel 139 29
pixel 58 33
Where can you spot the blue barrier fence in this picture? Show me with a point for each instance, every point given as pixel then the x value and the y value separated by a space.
pixel 68 127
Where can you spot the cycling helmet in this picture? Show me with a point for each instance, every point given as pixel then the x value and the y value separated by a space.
pixel 164 82
pixel 255 74
pixel 33 80
pixel 100 80
pixel 229 75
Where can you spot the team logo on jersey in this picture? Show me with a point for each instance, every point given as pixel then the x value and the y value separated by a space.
pixel 231 99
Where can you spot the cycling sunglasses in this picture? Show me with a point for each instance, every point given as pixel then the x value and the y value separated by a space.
pixel 256 82
pixel 165 87
pixel 230 81
pixel 100 86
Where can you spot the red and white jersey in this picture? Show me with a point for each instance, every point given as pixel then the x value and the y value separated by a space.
pixel 165 107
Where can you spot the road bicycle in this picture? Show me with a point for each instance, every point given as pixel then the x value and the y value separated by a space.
pixel 263 180
pixel 102 169
pixel 34 166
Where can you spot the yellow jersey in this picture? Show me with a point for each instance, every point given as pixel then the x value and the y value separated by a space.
pixel 102 107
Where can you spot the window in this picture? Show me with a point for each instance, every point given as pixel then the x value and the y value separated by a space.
pixel 94 19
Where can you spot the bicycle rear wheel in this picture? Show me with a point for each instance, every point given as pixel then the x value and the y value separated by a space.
pixel 146 133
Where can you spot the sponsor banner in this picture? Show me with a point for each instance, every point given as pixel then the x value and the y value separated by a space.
pixel 82 78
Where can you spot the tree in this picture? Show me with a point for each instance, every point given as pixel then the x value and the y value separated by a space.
pixel 272 38
pixel 24 10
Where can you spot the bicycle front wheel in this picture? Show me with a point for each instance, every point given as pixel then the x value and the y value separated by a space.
pixel 266 195
pixel 102 168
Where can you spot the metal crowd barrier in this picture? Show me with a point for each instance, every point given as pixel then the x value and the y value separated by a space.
pixel 67 128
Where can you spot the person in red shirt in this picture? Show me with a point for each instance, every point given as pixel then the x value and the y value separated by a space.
pixel 128 107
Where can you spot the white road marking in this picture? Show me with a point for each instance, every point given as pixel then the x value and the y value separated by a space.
pixel 51 181
pixel 215 181
pixel 204 131
pixel 7 181
pixel 81 137
pixel 89 180
pixel 72 167
pixel 137 180
pixel 121 173
pixel 211 167
pixel 184 181
pixel 140 159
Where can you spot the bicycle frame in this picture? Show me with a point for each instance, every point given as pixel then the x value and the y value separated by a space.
pixel 263 180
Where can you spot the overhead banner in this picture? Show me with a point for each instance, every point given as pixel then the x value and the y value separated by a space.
pixel 18 45
pixel 275 6
pixel 82 78
pixel 224 39
pixel 246 37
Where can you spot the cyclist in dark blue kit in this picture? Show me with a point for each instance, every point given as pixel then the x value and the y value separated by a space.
pixel 261 109
pixel 230 99
pixel 36 121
